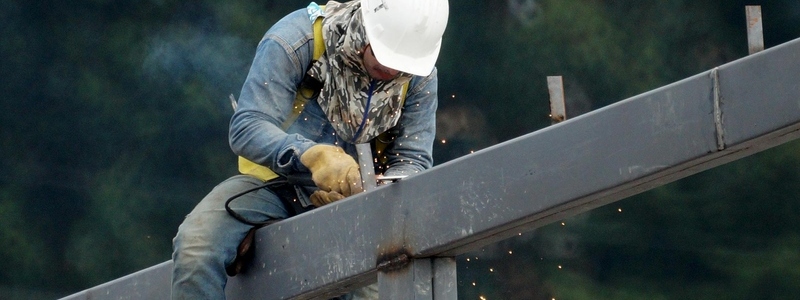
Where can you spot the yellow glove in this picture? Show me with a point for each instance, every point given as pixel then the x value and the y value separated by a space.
pixel 332 169
pixel 320 197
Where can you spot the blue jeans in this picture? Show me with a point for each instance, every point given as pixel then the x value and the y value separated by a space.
pixel 208 238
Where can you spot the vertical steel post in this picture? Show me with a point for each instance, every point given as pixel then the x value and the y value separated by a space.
pixel 755 29
pixel 419 279
pixel 366 166
pixel 558 110
pixel 413 281
pixel 445 281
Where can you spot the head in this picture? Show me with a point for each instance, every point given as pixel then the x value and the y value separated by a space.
pixel 404 36
pixel 374 68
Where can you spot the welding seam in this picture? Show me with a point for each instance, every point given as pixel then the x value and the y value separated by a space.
pixel 717 109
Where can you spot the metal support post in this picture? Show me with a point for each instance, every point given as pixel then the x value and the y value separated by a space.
pixel 445 281
pixel 419 279
pixel 558 110
pixel 366 166
pixel 755 29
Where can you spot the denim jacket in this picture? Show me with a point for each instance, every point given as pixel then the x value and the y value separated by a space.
pixel 281 60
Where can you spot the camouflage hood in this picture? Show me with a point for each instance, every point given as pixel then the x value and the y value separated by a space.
pixel 347 88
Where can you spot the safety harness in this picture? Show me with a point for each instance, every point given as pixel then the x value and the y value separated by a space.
pixel 308 89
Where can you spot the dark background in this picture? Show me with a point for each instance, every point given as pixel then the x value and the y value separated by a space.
pixel 114 117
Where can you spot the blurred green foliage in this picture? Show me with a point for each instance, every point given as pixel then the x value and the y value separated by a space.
pixel 114 124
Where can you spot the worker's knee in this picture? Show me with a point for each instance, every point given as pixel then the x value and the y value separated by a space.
pixel 208 235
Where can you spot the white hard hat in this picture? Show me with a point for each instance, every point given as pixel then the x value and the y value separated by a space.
pixel 405 35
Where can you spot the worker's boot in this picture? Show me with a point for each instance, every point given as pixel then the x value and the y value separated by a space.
pixel 244 253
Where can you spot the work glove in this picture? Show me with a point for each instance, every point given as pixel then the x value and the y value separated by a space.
pixel 320 197
pixel 332 170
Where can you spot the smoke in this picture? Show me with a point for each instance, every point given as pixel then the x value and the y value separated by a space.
pixel 523 10
pixel 183 52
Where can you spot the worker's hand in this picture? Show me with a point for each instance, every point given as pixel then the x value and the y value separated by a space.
pixel 320 197
pixel 332 169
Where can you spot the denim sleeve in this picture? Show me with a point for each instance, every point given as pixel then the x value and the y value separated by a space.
pixel 411 151
pixel 265 102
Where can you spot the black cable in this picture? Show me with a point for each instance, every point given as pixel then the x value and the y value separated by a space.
pixel 242 219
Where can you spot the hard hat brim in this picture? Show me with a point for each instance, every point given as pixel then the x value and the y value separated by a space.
pixel 420 66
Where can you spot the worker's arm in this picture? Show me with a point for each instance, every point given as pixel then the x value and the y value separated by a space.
pixel 412 149
pixel 268 95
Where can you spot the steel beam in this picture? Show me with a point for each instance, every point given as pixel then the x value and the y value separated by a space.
pixel 623 149
pixel 150 283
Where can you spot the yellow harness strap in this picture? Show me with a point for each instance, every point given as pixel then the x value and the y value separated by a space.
pixel 248 167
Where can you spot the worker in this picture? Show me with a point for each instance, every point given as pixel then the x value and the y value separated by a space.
pixel 376 75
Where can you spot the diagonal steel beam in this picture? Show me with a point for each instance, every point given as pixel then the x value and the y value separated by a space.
pixel 562 170
pixel 623 149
